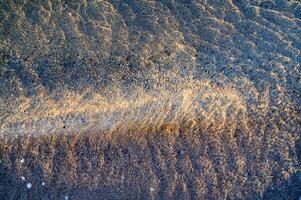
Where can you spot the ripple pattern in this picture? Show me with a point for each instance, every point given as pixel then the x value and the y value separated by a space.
pixel 187 99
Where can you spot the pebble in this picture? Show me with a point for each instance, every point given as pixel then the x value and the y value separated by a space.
pixel 43 183
pixel 66 198
pixel 29 185
pixel 23 178
pixel 152 189
pixel 22 160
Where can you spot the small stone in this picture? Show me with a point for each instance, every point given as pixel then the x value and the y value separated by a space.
pixel 152 189
pixel 43 183
pixel 66 198
pixel 22 160
pixel 29 185
pixel 23 178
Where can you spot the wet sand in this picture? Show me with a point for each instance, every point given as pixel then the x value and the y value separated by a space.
pixel 150 99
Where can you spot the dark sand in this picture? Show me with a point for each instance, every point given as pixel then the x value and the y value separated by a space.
pixel 150 99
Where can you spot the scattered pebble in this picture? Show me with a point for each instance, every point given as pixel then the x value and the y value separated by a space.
pixel 29 185
pixel 122 178
pixel 43 183
pixel 22 160
pixel 66 198
pixel 152 189
pixel 23 178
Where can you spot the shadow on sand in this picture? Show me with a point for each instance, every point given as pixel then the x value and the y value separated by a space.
pixel 12 188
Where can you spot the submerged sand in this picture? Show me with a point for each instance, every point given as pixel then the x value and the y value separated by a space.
pixel 150 99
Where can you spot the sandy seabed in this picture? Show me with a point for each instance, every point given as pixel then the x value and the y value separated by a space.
pixel 150 99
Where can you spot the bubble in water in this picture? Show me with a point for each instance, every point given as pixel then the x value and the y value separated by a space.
pixel 29 185
pixel 66 198
pixel 43 183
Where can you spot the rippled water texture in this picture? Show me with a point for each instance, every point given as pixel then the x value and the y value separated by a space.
pixel 106 99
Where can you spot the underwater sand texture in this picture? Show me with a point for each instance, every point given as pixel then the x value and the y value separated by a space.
pixel 150 99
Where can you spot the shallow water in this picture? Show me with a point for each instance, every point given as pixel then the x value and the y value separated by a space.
pixel 220 78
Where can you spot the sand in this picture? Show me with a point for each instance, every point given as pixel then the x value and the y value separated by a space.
pixel 150 99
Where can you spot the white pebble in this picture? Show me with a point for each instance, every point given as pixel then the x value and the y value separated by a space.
pixel 66 198
pixel 23 178
pixel 29 185
pixel 43 183
pixel 22 160
pixel 122 178
pixel 152 189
